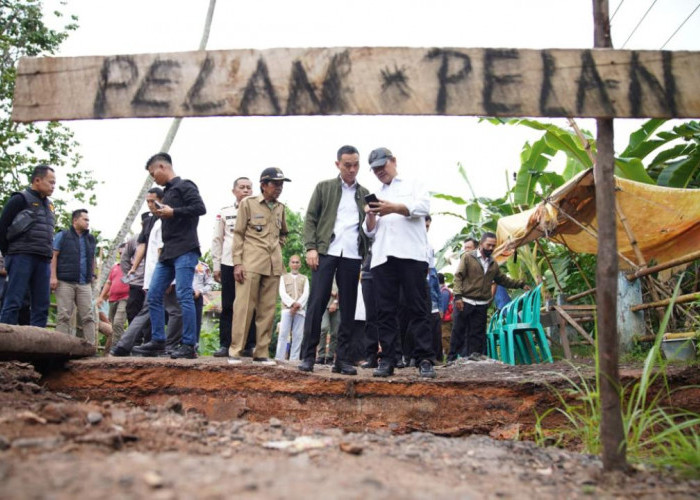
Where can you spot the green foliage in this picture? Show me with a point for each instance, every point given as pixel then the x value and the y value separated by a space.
pixel 209 340
pixel 295 240
pixel 656 433
pixel 23 146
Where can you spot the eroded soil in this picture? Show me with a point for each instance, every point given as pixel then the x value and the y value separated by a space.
pixel 132 429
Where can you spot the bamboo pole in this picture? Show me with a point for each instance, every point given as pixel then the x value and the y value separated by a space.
pixel 666 265
pixel 581 295
pixel 148 181
pixel 573 323
pixel 681 299
pixel 549 264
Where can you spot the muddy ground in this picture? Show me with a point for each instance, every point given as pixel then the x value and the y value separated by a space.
pixel 55 444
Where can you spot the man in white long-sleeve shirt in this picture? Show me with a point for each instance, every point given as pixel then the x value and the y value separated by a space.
pixel 396 221
pixel 294 292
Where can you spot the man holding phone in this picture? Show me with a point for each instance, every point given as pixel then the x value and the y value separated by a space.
pixel 396 221
pixel 335 246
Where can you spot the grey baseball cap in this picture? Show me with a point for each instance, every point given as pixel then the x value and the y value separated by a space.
pixel 379 157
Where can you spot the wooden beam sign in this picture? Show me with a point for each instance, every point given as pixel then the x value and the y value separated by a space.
pixel 362 81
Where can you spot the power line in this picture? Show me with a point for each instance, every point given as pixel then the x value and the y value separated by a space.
pixel 639 23
pixel 681 25
pixel 616 9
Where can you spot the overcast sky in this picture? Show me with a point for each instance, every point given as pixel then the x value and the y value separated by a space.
pixel 214 151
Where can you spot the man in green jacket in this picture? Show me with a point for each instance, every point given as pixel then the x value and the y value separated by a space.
pixel 335 246
pixel 472 291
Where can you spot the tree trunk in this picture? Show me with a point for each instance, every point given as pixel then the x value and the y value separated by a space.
pixel 612 434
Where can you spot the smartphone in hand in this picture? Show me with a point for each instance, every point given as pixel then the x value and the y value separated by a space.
pixel 371 198
pixel 158 204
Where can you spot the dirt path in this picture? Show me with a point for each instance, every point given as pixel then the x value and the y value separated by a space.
pixel 54 446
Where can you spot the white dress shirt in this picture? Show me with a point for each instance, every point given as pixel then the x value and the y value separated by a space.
pixel 396 235
pixel 155 243
pixel 347 225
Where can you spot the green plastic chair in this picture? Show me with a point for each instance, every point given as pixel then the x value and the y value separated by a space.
pixel 524 325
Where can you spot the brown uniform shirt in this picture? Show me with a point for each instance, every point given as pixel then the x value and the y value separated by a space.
pixel 259 235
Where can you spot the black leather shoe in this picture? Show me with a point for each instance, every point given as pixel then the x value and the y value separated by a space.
pixel 400 364
pixel 344 368
pixel 370 363
pixel 119 352
pixel 247 353
pixel 307 365
pixel 426 370
pixel 384 369
pixel 320 361
pixel 184 351
pixel 150 349
pixel 221 353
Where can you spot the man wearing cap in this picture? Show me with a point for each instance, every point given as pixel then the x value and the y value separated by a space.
pixel 259 233
pixel 221 250
pixel 399 261
pixel 335 246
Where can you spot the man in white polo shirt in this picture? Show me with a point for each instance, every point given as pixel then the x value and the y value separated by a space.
pixel 396 221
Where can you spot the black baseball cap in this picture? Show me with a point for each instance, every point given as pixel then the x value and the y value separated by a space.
pixel 379 157
pixel 273 174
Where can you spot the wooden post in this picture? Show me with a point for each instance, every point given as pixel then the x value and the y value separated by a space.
pixel 612 435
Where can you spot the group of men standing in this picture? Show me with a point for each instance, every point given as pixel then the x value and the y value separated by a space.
pixel 344 225
pixel 38 262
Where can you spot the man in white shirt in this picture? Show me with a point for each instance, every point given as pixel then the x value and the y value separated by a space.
pixel 399 261
pixel 221 254
pixel 335 246
pixel 294 292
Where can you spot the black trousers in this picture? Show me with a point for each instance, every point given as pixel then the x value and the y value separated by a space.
pixel 228 295
pixel 134 302
pixel 468 331
pixel 347 275
pixel 409 276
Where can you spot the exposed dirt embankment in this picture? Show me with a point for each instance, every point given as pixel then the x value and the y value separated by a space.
pixel 469 398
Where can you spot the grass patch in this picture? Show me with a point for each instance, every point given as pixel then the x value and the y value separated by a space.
pixel 657 433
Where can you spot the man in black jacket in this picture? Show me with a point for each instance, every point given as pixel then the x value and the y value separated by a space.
pixel 180 211
pixel 26 234
pixel 72 271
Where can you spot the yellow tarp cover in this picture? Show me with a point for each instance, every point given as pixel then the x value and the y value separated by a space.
pixel 665 221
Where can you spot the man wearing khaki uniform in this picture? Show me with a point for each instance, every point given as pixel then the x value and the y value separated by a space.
pixel 260 232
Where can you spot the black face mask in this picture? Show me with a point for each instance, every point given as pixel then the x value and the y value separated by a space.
pixel 486 253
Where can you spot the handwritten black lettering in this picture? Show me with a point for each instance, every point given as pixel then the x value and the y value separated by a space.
pixel 334 89
pixel 396 79
pixel 665 95
pixel 259 84
pixel 302 94
pixel 194 99
pixel 161 74
pixel 117 72
pixel 444 76
pixel 589 80
pixel 548 70
pixel 493 83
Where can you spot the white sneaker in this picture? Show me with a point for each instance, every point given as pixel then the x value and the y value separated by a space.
pixel 234 361
pixel 265 361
